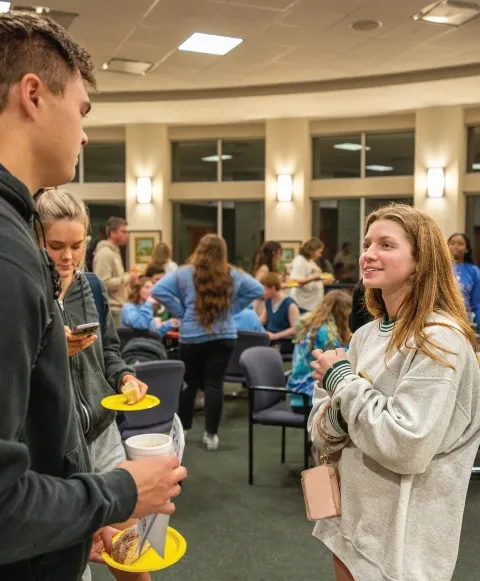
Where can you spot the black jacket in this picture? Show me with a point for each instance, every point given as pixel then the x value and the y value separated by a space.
pixel 359 315
pixel 97 371
pixel 50 505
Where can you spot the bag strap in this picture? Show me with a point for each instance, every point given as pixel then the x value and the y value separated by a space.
pixel 96 287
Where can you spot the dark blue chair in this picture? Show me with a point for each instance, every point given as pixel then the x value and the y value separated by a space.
pixel 246 340
pixel 165 380
pixel 265 380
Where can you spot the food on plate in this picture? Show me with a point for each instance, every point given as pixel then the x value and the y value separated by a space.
pixel 132 391
pixel 125 547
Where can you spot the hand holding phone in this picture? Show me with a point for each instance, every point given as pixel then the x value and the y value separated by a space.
pixel 86 329
pixel 78 342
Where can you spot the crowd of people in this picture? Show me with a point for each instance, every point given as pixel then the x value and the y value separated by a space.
pixel 397 401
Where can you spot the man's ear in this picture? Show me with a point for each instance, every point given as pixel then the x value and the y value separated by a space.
pixel 30 88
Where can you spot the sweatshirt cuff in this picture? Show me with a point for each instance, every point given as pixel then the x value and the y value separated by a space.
pixel 335 374
pixel 124 489
pixel 336 422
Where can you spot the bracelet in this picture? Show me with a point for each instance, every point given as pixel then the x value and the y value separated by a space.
pixel 320 432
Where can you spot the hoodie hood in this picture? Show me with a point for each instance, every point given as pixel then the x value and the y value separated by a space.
pixel 16 194
pixel 106 244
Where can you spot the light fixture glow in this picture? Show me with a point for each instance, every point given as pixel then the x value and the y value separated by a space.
pixel 210 43
pixel 435 182
pixel 379 167
pixel 224 157
pixel 105 66
pixel 350 146
pixel 42 9
pixel 5 6
pixel 284 188
pixel 451 12
pixel 476 166
pixel 144 190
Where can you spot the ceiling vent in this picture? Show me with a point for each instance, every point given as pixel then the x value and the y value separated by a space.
pixel 450 12
pixel 127 66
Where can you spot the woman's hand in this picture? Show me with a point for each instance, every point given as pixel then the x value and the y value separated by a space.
pixel 272 336
pixel 102 541
pixel 143 387
pixel 325 360
pixel 77 343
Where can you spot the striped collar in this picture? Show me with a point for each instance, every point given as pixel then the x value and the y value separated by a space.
pixel 386 326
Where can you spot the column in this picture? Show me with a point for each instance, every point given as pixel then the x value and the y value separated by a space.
pixel 441 142
pixel 288 151
pixel 148 155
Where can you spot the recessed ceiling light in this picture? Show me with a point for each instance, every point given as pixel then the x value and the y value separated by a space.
pixel 216 158
pixel 350 146
pixel 451 12
pixel 5 6
pixel 379 167
pixel 42 9
pixel 362 25
pixel 210 43
pixel 128 66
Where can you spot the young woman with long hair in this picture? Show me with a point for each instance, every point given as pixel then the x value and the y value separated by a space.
pixel 266 259
pixel 467 273
pixel 404 409
pixel 308 275
pixel 97 370
pixel 205 295
pixel 161 261
pixel 324 328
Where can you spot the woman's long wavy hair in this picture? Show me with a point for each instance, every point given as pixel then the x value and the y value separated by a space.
pixel 432 287
pixel 337 304
pixel 266 256
pixel 134 296
pixel 212 279
pixel 160 257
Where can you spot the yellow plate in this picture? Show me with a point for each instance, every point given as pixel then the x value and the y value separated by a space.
pixel 175 548
pixel 119 403
pixel 292 284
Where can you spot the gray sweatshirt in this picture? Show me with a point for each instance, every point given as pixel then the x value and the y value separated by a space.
pixel 411 436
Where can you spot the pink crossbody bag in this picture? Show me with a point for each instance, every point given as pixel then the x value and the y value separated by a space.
pixel 321 485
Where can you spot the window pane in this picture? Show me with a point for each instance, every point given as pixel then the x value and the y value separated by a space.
pixel 243 230
pixel 76 179
pixel 194 161
pixel 191 222
pixel 372 204
pixel 243 160
pixel 336 222
pixel 390 154
pixel 336 156
pixel 104 163
pixel 473 224
pixel 473 149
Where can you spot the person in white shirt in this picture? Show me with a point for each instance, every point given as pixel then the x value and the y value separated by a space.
pixel 308 275
pixel 403 410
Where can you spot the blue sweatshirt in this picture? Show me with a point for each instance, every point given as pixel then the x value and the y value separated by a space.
pixel 177 292
pixel 248 320
pixel 468 275
pixel 140 317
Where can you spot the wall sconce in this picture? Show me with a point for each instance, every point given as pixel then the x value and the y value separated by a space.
pixel 144 190
pixel 284 188
pixel 435 182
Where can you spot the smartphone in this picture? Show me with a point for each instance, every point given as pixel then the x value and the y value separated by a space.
pixel 86 329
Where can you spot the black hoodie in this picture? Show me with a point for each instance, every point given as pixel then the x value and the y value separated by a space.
pixel 50 505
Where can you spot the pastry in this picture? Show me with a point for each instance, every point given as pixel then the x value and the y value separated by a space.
pixel 132 391
pixel 125 548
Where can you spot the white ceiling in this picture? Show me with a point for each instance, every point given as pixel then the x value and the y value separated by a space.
pixel 285 42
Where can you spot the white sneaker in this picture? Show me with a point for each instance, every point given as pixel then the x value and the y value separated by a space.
pixel 211 441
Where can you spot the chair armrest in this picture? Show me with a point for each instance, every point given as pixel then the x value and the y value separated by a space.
pixel 282 390
pixel 287 373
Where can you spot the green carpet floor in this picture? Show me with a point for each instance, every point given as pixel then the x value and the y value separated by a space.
pixel 237 532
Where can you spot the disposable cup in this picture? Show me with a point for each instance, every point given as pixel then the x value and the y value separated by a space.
pixel 148 445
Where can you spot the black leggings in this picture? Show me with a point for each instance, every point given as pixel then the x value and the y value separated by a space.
pixel 205 366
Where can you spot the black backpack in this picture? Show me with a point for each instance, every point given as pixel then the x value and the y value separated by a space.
pixel 142 350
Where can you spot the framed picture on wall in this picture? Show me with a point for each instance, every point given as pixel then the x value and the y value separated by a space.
pixel 290 249
pixel 141 245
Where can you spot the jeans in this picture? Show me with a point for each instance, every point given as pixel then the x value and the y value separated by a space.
pixel 205 366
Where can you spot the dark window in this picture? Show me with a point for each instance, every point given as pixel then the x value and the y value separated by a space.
pixel 194 161
pixel 104 163
pixel 473 149
pixel 243 160
pixel 336 156
pixel 390 154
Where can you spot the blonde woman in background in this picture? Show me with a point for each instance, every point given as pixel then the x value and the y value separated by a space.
pixel 308 276
pixel 161 261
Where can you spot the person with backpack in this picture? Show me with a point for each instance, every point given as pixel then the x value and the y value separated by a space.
pixel 96 368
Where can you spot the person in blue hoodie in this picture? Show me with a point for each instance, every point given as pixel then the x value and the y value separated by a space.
pixel 467 273
pixel 205 294
pixel 248 320
pixel 139 311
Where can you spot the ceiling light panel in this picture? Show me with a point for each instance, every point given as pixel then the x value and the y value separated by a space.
pixel 350 147
pixel 130 67
pixel 210 43
pixel 4 6
pixel 380 168
pixel 450 12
